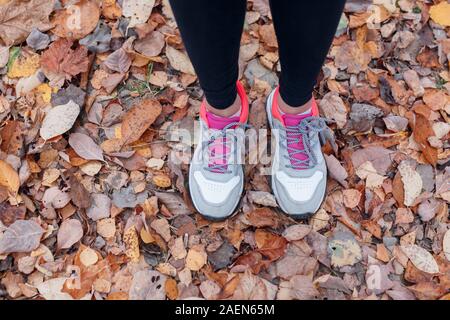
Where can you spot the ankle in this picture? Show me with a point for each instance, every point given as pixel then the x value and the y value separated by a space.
pixel 285 108
pixel 227 112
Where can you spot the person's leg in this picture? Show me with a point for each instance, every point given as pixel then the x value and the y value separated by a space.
pixel 211 32
pixel 305 30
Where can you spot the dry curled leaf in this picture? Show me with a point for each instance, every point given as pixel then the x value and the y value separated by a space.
pixel 138 119
pixel 69 233
pixel 76 20
pixel 421 258
pixel 59 119
pixel 61 59
pixel 18 18
pixel 21 236
pixel 85 147
pixel 9 177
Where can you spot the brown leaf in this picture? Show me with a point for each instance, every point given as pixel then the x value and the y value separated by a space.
pixel 254 260
pixel 138 119
pixel 262 217
pixel 151 45
pixel 423 130
pixel 85 147
pixel 428 58
pixel 336 170
pixel 269 244
pixel 11 137
pixel 69 233
pixel 77 20
pixel 78 193
pixel 118 61
pixel 18 18
pixel 61 59
pixel 9 214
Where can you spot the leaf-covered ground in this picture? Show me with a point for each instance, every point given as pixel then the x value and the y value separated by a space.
pixel 93 207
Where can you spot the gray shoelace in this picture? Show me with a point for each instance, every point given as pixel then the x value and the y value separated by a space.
pixel 301 133
pixel 229 137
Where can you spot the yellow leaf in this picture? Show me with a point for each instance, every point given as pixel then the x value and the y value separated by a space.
pixel 440 13
pixel 146 236
pixel 162 181
pixel 46 92
pixel 24 66
pixel 131 240
pixel 9 177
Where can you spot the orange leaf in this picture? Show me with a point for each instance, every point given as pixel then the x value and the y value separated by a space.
pixel 270 245
pixel 423 130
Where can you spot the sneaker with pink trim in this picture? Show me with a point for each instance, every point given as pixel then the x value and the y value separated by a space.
pixel 216 178
pixel 299 171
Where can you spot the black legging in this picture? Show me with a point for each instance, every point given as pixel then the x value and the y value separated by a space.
pixel 211 31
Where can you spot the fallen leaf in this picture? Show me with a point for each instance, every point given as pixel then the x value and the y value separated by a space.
pixel 222 257
pixel 422 259
pixel 9 177
pixel 52 289
pixel 333 108
pixel 138 119
pixel 440 13
pixel 106 227
pixel 296 232
pixel 162 181
pixel 412 183
pixel 85 147
pixel 179 60
pixel 269 244
pixel 344 250
pixel 162 227
pixel 59 120
pixel 88 257
pixel 131 240
pixel 148 285
pixel 78 193
pixel 151 45
pixel 137 10
pixel 336 170
pixel 118 61
pixel 446 244
pixel 262 217
pixel 302 288
pixel 61 59
pixel 100 207
pixel 76 20
pixel 18 19
pixel 196 258
pixel 174 203
pixel 69 233
pixel 352 197
pixel 21 236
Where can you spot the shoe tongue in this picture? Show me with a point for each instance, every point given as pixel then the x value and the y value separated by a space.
pixel 217 122
pixel 293 120
pixel 218 149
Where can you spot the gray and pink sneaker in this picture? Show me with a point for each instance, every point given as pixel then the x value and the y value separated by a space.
pixel 299 171
pixel 216 178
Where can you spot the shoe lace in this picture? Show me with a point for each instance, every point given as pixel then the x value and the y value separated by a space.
pixel 222 141
pixel 296 135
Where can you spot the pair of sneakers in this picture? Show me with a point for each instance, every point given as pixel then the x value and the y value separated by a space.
pixel 298 172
